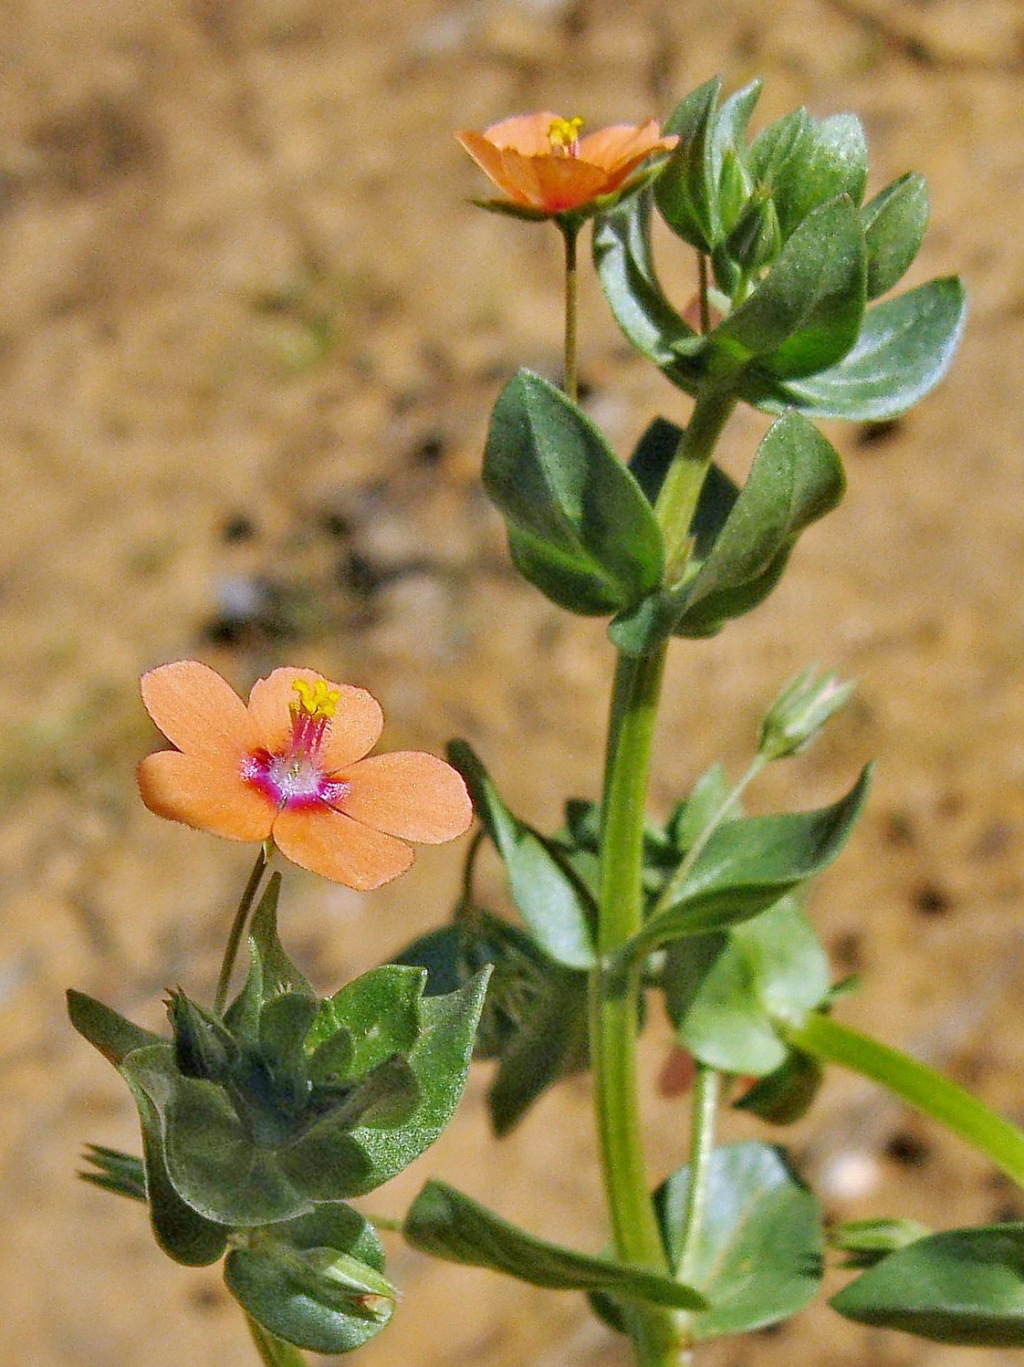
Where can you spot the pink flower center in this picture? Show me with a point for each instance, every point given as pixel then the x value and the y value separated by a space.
pixel 296 778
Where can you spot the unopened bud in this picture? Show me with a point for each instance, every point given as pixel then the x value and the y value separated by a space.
pixel 799 713
pixel 756 239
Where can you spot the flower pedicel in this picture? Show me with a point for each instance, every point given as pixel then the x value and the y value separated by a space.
pixel 291 767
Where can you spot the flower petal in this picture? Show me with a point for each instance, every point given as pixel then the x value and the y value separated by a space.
pixel 489 158
pixel 208 794
pixel 332 844
pixel 354 730
pixel 565 182
pixel 612 147
pixel 409 794
pixel 527 133
pixel 197 710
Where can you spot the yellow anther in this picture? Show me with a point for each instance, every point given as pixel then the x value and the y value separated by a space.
pixel 315 699
pixel 564 135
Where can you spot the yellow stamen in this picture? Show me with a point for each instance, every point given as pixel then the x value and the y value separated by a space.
pixel 564 136
pixel 315 699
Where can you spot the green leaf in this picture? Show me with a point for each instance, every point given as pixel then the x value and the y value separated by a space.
pixel 622 258
pixel 579 527
pixel 804 163
pixel 894 227
pixel 550 1043
pixel 315 1281
pixel 758 1255
pixel 904 349
pixel 112 1034
pixel 771 968
pixel 447 1224
pixel 379 1011
pixel 271 972
pixel 806 313
pixel 747 865
pixel 212 1161
pixel 703 806
pixel 686 189
pixel 785 1095
pixel 963 1286
pixel 549 895
pixel 439 1061
pixel 796 478
pixel 185 1234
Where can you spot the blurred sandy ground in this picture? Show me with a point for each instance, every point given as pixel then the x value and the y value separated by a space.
pixel 249 336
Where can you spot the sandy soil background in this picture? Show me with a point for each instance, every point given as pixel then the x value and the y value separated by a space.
pixel 249 336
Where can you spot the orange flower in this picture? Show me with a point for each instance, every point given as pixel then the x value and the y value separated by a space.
pixel 543 165
pixel 290 767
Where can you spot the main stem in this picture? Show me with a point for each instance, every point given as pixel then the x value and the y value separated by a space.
pixel 659 1335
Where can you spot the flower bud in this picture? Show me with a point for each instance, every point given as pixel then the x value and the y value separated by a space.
pixel 756 239
pixel 799 713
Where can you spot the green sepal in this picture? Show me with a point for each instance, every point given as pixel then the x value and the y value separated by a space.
pixel 962 1286
pixel 726 995
pixel 806 313
pixel 748 865
pixel 315 1281
pixel 549 895
pixel 894 227
pixel 579 528
pixel 106 1030
pixel 804 162
pixel 904 349
pixel 450 1225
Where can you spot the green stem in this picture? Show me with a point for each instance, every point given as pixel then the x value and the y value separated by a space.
pixel 238 926
pixel 680 492
pixel 918 1085
pixel 570 230
pixel 274 1352
pixel 706 1094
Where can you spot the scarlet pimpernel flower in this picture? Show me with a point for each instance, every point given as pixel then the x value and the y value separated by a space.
pixel 293 767
pixel 545 168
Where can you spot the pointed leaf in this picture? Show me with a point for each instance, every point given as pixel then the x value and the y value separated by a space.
pixel 315 1281
pixel 747 865
pixel 271 972
pixel 796 478
pixel 112 1034
pixel 686 189
pixel 962 1286
pixel 121 1173
pixel 758 1255
pixel 805 162
pixel 806 313
pixel 447 1224
pixel 185 1234
pixel 550 897
pixel 439 1061
pixel 894 227
pixel 622 258
pixel 380 1012
pixel 580 530
pixel 772 968
pixel 904 349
